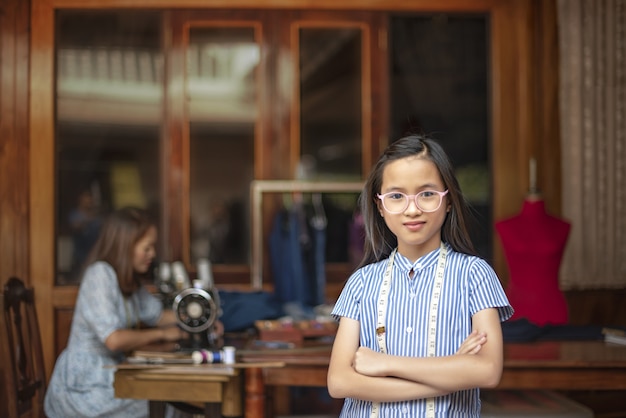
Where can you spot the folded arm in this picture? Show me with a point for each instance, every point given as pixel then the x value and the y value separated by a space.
pixel 345 382
pixel 449 373
pixel 361 373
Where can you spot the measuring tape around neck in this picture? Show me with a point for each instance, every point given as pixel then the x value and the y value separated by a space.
pixel 381 308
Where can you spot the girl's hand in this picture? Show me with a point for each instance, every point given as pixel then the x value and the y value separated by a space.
pixel 373 363
pixel 369 362
pixel 472 343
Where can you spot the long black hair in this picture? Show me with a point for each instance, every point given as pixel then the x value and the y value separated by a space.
pixel 379 240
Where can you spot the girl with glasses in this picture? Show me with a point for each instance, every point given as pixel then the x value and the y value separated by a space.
pixel 419 320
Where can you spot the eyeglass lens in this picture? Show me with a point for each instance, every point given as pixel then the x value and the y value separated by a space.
pixel 426 201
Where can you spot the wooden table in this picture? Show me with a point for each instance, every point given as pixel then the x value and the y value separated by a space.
pixel 564 365
pixel 555 365
pixel 218 388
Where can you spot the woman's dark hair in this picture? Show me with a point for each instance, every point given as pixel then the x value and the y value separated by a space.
pixel 379 240
pixel 116 244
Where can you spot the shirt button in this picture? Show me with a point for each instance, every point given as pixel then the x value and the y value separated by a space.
pixel 413 295
pixel 409 330
pixel 418 266
pixel 405 410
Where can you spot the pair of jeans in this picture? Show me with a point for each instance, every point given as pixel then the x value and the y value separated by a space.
pixel 297 255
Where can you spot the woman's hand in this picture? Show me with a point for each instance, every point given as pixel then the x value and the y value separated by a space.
pixel 173 333
pixel 473 343
pixel 218 329
pixel 126 340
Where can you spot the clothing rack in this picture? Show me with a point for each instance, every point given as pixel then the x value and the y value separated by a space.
pixel 260 187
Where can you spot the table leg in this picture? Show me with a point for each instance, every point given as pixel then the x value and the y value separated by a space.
pixel 232 397
pixel 212 410
pixel 157 409
pixel 255 393
pixel 280 400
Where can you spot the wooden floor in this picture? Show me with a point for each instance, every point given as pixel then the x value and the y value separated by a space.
pixel 315 403
pixel 604 404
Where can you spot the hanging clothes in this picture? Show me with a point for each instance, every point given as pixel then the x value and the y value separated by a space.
pixel 297 256
pixel 318 224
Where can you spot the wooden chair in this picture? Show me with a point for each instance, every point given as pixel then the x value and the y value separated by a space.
pixel 22 367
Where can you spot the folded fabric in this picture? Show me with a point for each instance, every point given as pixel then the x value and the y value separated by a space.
pixel 522 330
pixel 241 309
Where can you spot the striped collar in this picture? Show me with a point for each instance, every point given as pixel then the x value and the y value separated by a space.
pixel 426 261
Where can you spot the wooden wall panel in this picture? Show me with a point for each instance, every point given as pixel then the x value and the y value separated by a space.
pixel 526 113
pixel 14 183
pixel 597 307
pixel 176 156
pixel 41 168
pixel 63 324
pixel 511 78
pixel 525 122
pixel 14 151
pixel 546 137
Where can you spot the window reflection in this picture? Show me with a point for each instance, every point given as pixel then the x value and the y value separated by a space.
pixel 222 111
pixel 330 103
pixel 438 75
pixel 108 111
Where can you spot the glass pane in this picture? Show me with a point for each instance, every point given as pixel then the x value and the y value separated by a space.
pixel 439 86
pixel 108 110
pixel 222 109
pixel 330 103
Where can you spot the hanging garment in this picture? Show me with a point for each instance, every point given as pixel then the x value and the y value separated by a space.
pixel 297 249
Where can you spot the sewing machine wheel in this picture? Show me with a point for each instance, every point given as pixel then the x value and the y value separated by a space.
pixel 195 310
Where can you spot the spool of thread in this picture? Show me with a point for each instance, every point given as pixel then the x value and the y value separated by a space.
pixel 206 357
pixel 165 272
pixel 205 274
pixel 229 354
pixel 181 278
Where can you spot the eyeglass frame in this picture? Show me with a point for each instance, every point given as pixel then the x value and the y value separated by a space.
pixel 414 197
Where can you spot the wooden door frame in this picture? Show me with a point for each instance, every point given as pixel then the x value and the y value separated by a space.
pixel 524 112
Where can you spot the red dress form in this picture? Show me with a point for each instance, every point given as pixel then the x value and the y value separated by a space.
pixel 533 243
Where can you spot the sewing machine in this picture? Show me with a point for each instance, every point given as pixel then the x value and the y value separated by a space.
pixel 197 306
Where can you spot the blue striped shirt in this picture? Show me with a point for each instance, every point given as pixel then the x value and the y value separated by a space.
pixel 469 285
